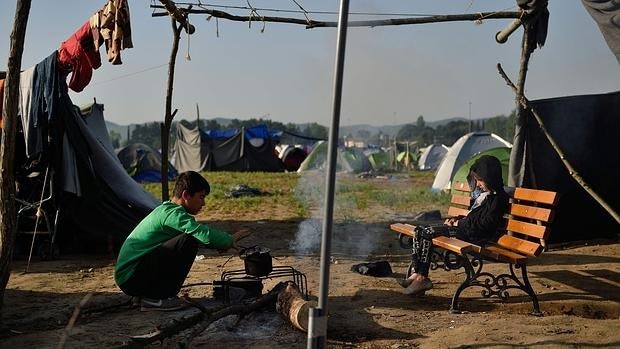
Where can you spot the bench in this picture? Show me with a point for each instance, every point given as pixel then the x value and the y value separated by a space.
pixel 522 237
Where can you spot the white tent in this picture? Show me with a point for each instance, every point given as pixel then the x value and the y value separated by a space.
pixel 431 156
pixel 462 150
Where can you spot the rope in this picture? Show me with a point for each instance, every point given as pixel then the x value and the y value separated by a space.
pixel 36 222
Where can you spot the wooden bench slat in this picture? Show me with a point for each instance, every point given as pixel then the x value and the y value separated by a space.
pixel 403 228
pixel 455 245
pixel 532 212
pixel 536 195
pixel 460 200
pixel 461 186
pixel 529 229
pixel 519 245
pixel 500 254
pixel 454 211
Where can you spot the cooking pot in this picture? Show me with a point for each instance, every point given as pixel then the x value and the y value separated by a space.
pixel 257 261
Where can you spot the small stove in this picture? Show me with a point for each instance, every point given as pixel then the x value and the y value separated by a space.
pixel 230 277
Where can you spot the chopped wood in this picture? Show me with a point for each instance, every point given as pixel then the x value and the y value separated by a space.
pixel 198 322
pixel 293 307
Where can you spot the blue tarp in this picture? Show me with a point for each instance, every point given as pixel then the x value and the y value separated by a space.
pixel 258 131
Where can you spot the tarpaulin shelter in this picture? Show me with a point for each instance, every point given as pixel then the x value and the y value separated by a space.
pixel 460 151
pixel 143 163
pixel 586 128
pixel 95 198
pixel 245 149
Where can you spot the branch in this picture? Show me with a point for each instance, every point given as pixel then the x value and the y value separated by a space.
pixel 178 15
pixel 371 23
pixel 571 170
pixel 200 321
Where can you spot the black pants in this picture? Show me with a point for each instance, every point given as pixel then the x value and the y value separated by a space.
pixel 423 244
pixel 161 273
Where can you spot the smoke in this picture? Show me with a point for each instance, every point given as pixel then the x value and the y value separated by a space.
pixel 351 236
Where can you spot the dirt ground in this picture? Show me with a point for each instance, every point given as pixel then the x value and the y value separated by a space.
pixel 577 287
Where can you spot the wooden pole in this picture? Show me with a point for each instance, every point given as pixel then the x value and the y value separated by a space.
pixel 165 132
pixel 371 23
pixel 7 148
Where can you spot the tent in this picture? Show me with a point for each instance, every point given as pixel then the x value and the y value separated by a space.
pixel 245 149
pixel 349 160
pixel 381 160
pixel 407 159
pixel 291 157
pixel 460 151
pixel 502 153
pixel 431 157
pixel 95 200
pixel 143 163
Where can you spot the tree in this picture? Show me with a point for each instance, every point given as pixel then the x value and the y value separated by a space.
pixel 115 139
pixel 7 148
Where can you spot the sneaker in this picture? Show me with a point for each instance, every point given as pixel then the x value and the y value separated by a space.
pixel 166 304
pixel 418 288
pixel 404 282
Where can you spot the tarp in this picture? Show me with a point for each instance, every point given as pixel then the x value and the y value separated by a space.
pixel 143 163
pixel 243 151
pixel 606 13
pixel 461 150
pixel 501 153
pixel 586 128
pixel 431 157
pixel 349 160
pixel 97 200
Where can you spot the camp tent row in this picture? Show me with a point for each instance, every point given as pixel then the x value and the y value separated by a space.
pixel 245 149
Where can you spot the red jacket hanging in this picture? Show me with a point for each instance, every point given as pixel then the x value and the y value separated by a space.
pixel 78 55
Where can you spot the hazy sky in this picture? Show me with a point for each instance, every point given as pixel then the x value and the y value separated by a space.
pixel 392 74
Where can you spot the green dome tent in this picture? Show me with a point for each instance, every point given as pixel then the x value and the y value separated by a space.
pixel 502 153
pixel 349 160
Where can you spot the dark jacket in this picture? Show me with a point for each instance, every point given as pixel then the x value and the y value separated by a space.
pixel 482 223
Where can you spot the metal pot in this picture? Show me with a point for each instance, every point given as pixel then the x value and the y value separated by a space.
pixel 257 261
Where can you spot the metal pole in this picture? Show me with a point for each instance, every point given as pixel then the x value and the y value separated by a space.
pixel 317 318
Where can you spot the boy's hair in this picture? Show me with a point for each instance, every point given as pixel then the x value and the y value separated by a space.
pixel 191 182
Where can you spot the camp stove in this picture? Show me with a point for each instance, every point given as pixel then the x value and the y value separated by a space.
pixel 253 284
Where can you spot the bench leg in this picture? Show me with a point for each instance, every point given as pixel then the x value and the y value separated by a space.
pixel 470 280
pixel 527 288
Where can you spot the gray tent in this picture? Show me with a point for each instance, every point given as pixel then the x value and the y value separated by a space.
pixel 431 157
pixel 462 150
pixel 250 149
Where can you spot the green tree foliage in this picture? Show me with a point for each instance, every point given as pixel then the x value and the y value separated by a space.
pixel 148 133
pixel 419 132
pixel 115 139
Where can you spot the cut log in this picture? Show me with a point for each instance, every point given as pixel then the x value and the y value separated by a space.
pixel 293 307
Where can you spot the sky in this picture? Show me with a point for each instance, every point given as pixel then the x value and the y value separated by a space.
pixel 285 72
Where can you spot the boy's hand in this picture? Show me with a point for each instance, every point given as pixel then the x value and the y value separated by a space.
pixel 238 235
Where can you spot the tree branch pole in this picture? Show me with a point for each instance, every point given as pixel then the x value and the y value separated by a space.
pixel 7 148
pixel 198 322
pixel 515 167
pixel 571 170
pixel 372 23
pixel 178 15
pixel 165 132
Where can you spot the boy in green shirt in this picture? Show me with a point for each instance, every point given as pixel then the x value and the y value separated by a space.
pixel 156 257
